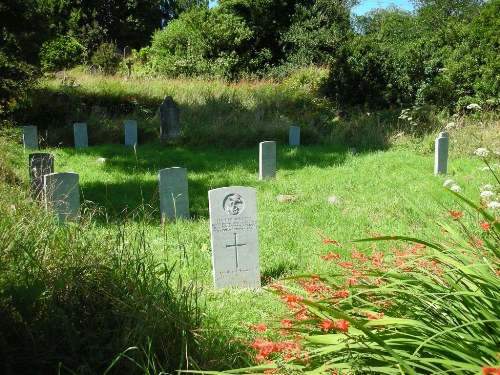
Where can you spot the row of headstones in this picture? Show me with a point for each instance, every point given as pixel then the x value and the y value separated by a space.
pixel 233 215
pixel 30 135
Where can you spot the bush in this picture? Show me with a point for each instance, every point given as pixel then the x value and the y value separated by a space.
pixel 106 58
pixel 63 52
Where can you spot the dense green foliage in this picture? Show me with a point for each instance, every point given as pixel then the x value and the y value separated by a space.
pixel 106 58
pixel 444 54
pixel 63 52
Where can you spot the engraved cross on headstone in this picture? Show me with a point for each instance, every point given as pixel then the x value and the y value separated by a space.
pixel 236 245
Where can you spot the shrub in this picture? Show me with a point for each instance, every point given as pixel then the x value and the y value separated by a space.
pixel 63 52
pixel 106 58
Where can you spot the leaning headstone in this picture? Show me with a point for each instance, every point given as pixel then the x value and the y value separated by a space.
pixel 234 236
pixel 130 132
pixel 174 198
pixel 169 120
pixel 62 195
pixel 30 137
pixel 267 160
pixel 81 136
pixel 294 136
pixel 40 165
pixel 441 153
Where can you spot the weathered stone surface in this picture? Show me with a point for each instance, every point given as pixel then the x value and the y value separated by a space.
pixel 234 237
pixel 267 160
pixel 174 197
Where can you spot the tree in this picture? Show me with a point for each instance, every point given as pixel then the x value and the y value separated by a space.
pixel 19 41
pixel 317 30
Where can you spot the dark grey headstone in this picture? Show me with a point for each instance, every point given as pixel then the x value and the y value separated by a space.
pixel 441 153
pixel 30 137
pixel 234 236
pixel 40 164
pixel 169 120
pixel 174 198
pixel 62 195
pixel 294 136
pixel 267 160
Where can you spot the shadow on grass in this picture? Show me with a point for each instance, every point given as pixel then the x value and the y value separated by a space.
pixel 137 182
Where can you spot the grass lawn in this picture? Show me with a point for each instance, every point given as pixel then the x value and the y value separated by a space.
pixel 384 192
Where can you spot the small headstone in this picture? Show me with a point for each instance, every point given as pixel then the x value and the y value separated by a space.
pixel 30 137
pixel 294 136
pixel 234 236
pixel 40 164
pixel 169 120
pixel 441 153
pixel 62 195
pixel 267 160
pixel 80 132
pixel 130 132
pixel 174 198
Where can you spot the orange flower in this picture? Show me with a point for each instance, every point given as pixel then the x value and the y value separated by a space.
pixel 491 370
pixel 326 325
pixel 330 256
pixel 486 225
pixel 342 325
pixel 328 240
pixel 259 327
pixel 456 215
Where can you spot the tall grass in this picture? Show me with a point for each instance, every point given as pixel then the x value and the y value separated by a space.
pixel 217 113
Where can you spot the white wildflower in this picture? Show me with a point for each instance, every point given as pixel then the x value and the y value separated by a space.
pixel 101 160
pixel 493 204
pixel 487 194
pixel 448 183
pixel 449 126
pixel 455 188
pixel 482 152
pixel 488 187
pixel 474 107
pixel 333 199
pixel 486 168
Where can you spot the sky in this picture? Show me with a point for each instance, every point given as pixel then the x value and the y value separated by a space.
pixel 367 5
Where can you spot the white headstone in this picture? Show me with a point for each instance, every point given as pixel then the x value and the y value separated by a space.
pixel 30 137
pixel 441 153
pixel 294 136
pixel 40 164
pixel 267 160
pixel 130 132
pixel 174 198
pixel 234 236
pixel 80 133
pixel 62 195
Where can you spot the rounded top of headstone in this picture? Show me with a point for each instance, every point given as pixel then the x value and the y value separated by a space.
pixel 444 135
